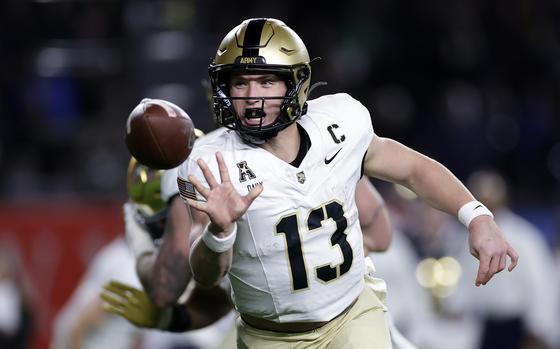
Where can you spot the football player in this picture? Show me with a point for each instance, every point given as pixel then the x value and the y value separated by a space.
pixel 82 321
pixel 293 251
pixel 203 307
pixel 147 216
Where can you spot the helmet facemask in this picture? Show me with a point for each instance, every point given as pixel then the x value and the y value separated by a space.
pixel 154 223
pixel 290 108
pixel 274 49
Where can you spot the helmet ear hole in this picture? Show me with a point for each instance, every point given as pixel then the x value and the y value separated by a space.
pixel 303 73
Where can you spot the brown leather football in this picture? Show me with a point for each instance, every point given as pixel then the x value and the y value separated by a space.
pixel 159 134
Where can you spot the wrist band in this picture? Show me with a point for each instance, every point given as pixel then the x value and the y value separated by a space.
pixel 471 210
pixel 217 244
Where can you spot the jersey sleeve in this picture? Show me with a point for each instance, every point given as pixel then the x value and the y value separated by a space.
pixel 347 120
pixel 205 149
pixel 169 184
pixel 357 120
pixel 186 188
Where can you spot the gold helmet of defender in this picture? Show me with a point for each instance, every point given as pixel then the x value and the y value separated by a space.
pixel 261 45
pixel 144 190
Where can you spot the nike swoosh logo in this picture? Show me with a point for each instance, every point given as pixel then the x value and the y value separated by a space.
pixel 328 161
pixel 477 207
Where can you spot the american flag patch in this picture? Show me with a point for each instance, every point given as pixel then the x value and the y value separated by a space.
pixel 186 189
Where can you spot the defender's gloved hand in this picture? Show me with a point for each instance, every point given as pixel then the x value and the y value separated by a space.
pixel 134 305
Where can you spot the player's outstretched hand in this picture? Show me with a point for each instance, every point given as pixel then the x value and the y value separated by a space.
pixel 223 203
pixel 132 304
pixel 488 244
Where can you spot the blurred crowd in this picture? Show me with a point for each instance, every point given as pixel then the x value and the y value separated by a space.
pixel 475 85
pixel 472 85
pixel 430 277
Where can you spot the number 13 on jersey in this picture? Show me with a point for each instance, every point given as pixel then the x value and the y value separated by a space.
pixel 289 226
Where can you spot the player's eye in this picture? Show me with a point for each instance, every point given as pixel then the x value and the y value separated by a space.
pixel 238 83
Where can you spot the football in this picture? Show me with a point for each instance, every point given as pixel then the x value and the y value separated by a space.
pixel 159 134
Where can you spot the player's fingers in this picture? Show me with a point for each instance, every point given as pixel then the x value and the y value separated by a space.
pixel 199 187
pixel 112 309
pixel 116 302
pixel 197 205
pixel 122 290
pixel 224 174
pixel 502 265
pixel 207 174
pixel 513 256
pixel 110 289
pixel 474 253
pixel 483 268
pixel 494 267
pixel 133 301
pixel 254 193
pixel 117 285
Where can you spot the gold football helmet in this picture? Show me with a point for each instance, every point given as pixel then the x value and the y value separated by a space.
pixel 261 45
pixel 144 190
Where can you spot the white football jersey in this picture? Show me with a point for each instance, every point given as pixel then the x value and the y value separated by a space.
pixel 298 254
pixel 169 177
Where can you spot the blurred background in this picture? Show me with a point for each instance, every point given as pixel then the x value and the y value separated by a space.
pixel 473 84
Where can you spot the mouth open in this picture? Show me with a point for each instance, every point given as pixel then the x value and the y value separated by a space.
pixel 254 113
pixel 254 116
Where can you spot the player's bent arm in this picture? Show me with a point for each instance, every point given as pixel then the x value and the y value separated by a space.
pixel 374 218
pixel 144 268
pixel 224 206
pixel 390 160
pixel 171 272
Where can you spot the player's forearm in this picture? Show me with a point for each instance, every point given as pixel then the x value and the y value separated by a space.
pixel 171 271
pixel 438 186
pixel 144 269
pixel 209 267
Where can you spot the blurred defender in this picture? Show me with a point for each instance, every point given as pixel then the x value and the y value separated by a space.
pixel 82 323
